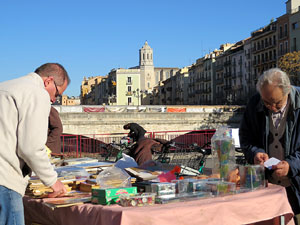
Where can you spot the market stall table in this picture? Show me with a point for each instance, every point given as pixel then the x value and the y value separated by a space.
pixel 246 208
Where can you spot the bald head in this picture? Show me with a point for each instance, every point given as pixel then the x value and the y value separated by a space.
pixel 54 70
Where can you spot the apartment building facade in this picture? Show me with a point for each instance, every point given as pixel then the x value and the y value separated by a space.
pixel 224 76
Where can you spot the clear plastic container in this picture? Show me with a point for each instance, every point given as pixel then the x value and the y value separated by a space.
pixel 181 186
pixel 182 197
pixel 218 188
pixel 137 200
pixel 164 188
pixel 223 152
pixel 252 176
pixel 197 185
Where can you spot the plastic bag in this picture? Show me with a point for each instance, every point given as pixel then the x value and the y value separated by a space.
pixel 70 171
pixel 223 152
pixel 113 177
pixel 125 162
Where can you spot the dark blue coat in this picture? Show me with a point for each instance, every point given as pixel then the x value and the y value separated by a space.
pixel 254 131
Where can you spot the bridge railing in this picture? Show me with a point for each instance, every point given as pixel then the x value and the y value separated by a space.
pixel 94 144
pixel 148 108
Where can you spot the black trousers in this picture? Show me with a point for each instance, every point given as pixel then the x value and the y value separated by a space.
pixel 294 204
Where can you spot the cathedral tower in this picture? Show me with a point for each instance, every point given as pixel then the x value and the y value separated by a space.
pixel 146 67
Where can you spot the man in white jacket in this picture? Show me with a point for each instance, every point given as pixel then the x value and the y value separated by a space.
pixel 24 111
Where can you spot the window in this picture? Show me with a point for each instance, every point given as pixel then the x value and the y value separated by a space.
pixel 167 74
pixel 281 49
pixel 280 32
pixel 295 26
pixel 286 46
pixel 148 84
pixel 285 30
pixel 274 40
pixel 129 80
pixel 129 100
pixel 129 88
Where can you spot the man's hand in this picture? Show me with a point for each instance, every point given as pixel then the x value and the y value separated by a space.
pixel 260 158
pixel 281 169
pixel 58 190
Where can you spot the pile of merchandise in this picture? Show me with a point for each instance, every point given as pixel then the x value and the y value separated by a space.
pixel 88 180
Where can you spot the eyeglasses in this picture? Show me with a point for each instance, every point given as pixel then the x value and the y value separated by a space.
pixel 57 94
pixel 278 104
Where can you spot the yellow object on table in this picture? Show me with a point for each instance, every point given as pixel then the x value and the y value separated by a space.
pixel 48 152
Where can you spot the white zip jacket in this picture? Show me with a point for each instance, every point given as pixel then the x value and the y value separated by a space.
pixel 24 112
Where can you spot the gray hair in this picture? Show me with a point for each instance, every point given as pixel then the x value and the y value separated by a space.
pixel 274 76
pixel 56 70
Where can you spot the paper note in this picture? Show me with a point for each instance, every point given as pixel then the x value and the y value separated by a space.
pixel 270 162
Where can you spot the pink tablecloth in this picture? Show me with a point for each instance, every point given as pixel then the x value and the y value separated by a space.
pixel 245 208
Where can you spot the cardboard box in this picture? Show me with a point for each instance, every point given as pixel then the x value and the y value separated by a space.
pixel 110 195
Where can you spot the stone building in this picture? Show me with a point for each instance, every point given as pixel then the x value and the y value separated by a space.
pixel 132 86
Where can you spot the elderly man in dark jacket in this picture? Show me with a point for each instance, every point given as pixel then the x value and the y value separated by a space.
pixel 271 128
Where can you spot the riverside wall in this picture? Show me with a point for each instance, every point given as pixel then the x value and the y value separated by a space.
pixel 112 122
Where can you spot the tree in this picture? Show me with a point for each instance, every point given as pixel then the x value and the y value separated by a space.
pixel 290 63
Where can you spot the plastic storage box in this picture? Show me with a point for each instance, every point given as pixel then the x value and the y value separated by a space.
pixel 137 200
pixel 164 188
pixel 252 176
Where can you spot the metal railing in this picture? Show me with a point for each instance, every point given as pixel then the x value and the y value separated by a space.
pixel 95 144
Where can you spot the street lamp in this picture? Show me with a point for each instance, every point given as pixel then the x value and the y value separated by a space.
pixel 138 93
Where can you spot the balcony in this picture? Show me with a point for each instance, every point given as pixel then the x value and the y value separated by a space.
pixel 227 74
pixel 208 78
pixel 227 87
pixel 227 63
pixel 128 93
pixel 267 46
pixel 219 67
pixel 219 81
pixel 219 95
pixel 207 90
pixel 128 83
pixel 239 87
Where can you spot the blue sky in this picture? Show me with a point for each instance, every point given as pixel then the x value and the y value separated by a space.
pixel 91 37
